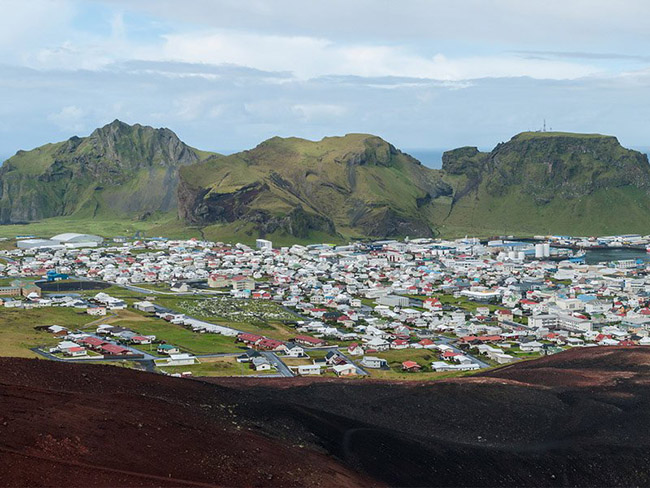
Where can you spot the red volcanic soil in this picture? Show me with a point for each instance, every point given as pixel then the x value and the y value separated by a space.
pixel 92 425
pixel 578 418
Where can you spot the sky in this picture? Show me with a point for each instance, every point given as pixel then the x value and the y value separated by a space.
pixel 228 74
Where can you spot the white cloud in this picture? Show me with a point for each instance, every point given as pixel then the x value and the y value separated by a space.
pixel 69 118
pixel 226 74
pixel 318 111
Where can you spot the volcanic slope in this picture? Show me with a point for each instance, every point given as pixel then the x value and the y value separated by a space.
pixel 119 171
pixel 544 183
pixel 357 185
pixel 578 418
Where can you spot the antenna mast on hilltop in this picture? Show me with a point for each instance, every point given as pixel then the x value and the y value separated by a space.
pixel 544 127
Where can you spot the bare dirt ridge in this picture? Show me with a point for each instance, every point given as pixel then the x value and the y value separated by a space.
pixel 578 418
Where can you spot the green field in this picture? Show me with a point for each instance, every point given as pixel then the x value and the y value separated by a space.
pixel 223 366
pixel 17 334
pixel 186 339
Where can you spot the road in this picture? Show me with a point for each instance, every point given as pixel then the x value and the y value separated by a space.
pixel 277 362
pixel 360 370
pixel 449 342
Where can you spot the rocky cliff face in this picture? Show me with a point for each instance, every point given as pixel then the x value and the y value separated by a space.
pixel 119 169
pixel 357 184
pixel 542 181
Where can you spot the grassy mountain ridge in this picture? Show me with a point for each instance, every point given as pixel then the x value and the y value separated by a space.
pixel 549 183
pixel 357 185
pixel 352 186
pixel 119 170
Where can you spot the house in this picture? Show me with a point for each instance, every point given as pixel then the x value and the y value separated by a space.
pixel 248 356
pixel 91 342
pixel 346 369
pixel 309 341
pixel 293 350
pixel 180 287
pixel 443 366
pixel 411 366
pixel 270 344
pixel 399 344
pixel 260 364
pixel 75 351
pixel 145 306
pixel 355 350
pixel 177 360
pixel 532 346
pixel 57 330
pixel 96 310
pixel 427 344
pixel 377 344
pixel 374 362
pixel 249 339
pixel 114 350
pixel 308 369
pixel 334 357
pixel 142 339
pixel 167 349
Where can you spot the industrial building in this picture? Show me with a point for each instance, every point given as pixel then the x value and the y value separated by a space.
pixel 38 243
pixel 72 239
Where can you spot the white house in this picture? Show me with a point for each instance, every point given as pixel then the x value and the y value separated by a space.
pixel 177 360
pixel 308 369
pixel 373 362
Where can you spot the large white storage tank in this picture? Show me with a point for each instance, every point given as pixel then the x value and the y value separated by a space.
pixel 547 249
pixel 539 251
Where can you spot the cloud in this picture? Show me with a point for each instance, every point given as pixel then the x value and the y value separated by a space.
pixel 582 55
pixel 226 74
pixel 318 111
pixel 69 118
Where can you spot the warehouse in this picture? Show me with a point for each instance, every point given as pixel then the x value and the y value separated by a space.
pixel 71 239
pixel 37 243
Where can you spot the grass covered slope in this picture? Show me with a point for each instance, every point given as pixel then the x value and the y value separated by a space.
pixel 118 171
pixel 547 183
pixel 355 185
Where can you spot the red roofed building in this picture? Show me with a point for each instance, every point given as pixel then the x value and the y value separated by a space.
pixel 92 342
pixel 310 341
pixel 449 354
pixel 411 366
pixel 248 338
pixel 114 350
pixel 269 344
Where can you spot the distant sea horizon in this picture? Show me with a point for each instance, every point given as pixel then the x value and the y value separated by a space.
pixel 431 158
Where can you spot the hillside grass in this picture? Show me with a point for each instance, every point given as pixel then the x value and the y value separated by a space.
pixel 17 333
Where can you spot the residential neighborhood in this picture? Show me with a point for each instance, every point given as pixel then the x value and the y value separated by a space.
pixel 419 308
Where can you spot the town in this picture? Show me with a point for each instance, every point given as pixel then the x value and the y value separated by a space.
pixel 412 309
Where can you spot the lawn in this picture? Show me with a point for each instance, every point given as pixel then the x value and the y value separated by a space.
pixel 460 302
pixel 396 357
pixel 223 366
pixel 17 334
pixel 186 339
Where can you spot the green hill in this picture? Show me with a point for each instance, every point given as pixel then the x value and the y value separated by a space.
pixel 357 185
pixel 118 171
pixel 547 182
pixel 125 178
